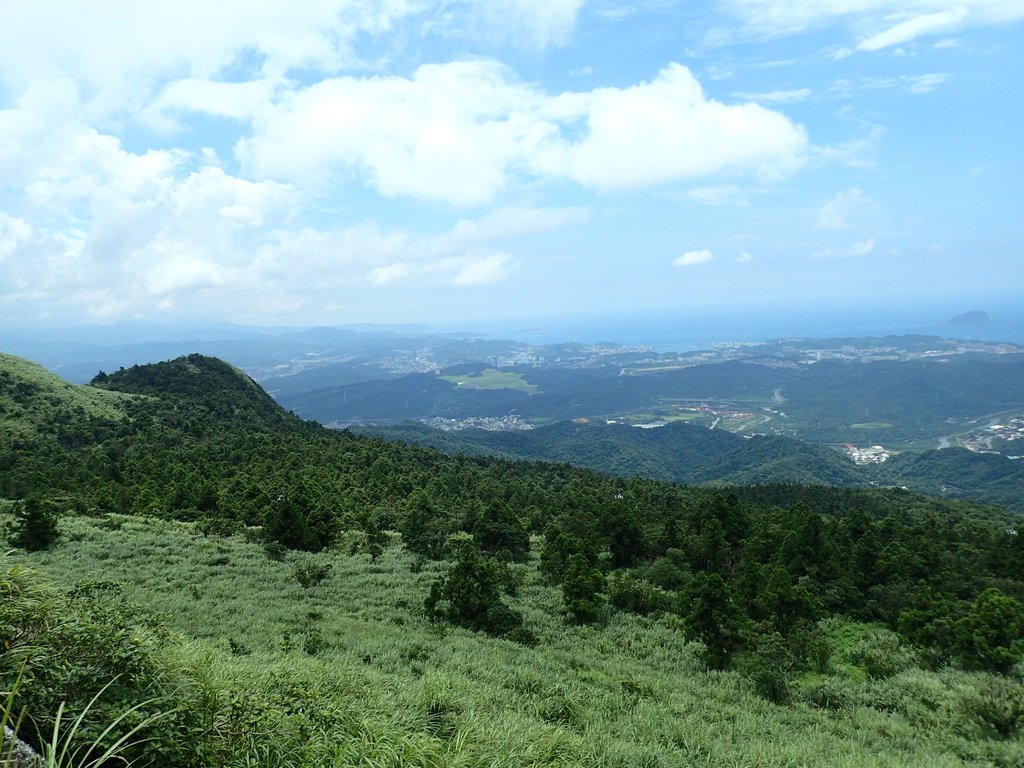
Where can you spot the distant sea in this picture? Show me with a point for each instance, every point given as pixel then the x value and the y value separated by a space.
pixel 685 330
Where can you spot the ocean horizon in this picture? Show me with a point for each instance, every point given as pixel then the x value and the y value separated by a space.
pixel 681 331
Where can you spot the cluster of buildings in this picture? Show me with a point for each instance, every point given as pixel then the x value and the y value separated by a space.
pixel 987 439
pixel 490 423
pixel 875 454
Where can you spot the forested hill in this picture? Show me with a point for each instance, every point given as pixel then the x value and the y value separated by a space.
pixel 833 401
pixel 518 550
pixel 688 454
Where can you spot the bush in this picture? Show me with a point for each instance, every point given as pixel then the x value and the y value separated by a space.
pixel 826 693
pixel 998 706
pixel 990 636
pixel 770 665
pixel 880 654
pixel 581 591
pixel 311 574
pixel 470 596
pixel 81 661
pixel 637 596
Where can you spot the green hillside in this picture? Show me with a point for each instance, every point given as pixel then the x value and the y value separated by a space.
pixel 691 454
pixel 671 453
pixel 33 400
pixel 897 403
pixel 315 598
pixel 775 459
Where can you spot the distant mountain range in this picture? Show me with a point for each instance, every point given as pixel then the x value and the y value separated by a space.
pixel 864 399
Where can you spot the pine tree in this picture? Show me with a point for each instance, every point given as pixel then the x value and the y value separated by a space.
pixel 581 590
pixel 34 527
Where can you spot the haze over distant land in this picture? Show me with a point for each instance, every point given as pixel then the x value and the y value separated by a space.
pixel 468 164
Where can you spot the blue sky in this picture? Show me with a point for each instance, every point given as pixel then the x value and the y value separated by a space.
pixel 453 162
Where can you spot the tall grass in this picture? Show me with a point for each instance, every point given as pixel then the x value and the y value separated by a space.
pixel 348 671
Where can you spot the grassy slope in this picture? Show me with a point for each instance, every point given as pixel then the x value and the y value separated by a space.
pixel 389 688
pixel 30 394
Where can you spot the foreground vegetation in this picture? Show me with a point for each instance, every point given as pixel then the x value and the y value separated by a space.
pixel 256 669
pixel 243 588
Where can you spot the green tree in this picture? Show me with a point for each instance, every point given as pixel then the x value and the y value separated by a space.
pixel 711 614
pixel 927 621
pixel 582 588
pixel 34 527
pixel 554 556
pixel 991 635
pixel 288 523
pixel 784 604
pixel 498 530
pixel 470 595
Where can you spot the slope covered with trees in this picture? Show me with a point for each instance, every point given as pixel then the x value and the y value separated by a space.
pixel 776 587
pixel 891 401
pixel 691 454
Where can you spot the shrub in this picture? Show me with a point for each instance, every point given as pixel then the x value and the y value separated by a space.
pixel 998 706
pixel 581 590
pixel 310 574
pixel 770 665
pixel 826 693
pixel 637 596
pixel 82 661
pixel 990 636
pixel 880 654
pixel 470 596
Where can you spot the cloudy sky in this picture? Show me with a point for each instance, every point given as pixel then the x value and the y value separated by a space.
pixel 439 161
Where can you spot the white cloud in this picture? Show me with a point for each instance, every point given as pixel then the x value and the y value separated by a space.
pixel 744 258
pixel 182 273
pixel 837 212
pixel 458 132
pixel 238 101
pixel 480 271
pixel 856 250
pixel 544 22
pixel 14 232
pixel 925 83
pixel 918 84
pixel 665 131
pixel 691 258
pixel 904 20
pixel 723 194
pixel 124 52
pixel 449 133
pixel 913 28
pixel 388 274
pixel 777 97
pixel 855 153
pixel 212 239
pixel 515 221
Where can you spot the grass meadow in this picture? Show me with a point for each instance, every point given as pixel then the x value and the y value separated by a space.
pixel 349 672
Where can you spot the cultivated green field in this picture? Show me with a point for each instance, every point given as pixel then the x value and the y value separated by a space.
pixel 492 378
